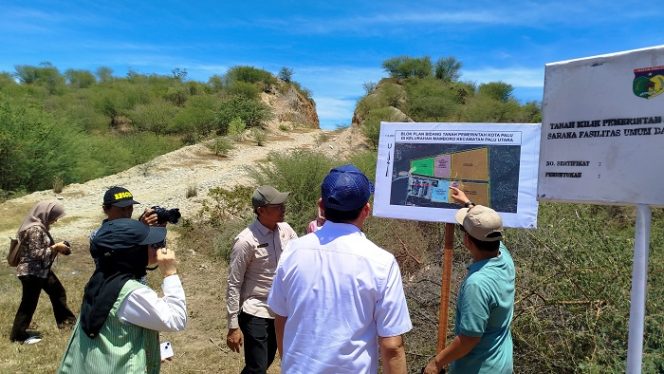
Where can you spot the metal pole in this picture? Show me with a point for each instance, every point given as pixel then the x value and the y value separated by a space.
pixel 637 310
pixel 444 308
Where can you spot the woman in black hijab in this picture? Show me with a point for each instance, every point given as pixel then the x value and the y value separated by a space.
pixel 118 330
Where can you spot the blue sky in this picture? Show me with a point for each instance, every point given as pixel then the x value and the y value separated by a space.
pixel 333 47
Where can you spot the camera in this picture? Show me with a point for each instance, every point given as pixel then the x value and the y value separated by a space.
pixel 167 215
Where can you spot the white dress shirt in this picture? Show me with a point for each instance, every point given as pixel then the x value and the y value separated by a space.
pixel 143 307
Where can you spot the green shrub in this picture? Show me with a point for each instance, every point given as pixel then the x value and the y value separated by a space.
pixel 198 115
pixel 499 91
pixel 251 74
pixel 224 204
pixel 286 74
pixel 157 116
pixel 259 136
pixel 221 146
pixel 408 67
pixel 301 173
pixel 242 88
pixel 486 109
pixel 58 184
pixel 236 127
pixel 430 100
pixel 371 125
pixel 447 69
pixel 252 112
pixel 392 94
pixel 177 95
pixel 34 148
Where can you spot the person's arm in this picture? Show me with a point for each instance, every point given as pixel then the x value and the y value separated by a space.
pixel 460 197
pixel 240 258
pixel 143 307
pixel 460 346
pixel 279 327
pixel 393 354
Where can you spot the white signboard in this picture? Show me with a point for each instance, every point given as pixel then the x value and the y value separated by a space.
pixel 495 164
pixel 603 130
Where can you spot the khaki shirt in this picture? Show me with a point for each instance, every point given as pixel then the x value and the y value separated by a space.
pixel 254 260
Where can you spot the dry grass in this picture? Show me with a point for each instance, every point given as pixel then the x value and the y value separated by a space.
pixel 12 214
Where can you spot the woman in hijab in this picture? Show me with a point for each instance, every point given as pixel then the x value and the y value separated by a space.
pixel 120 319
pixel 37 253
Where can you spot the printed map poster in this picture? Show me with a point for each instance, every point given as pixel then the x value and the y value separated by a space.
pixel 495 164
pixel 603 129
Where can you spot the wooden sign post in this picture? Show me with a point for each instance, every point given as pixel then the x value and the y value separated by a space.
pixel 446 281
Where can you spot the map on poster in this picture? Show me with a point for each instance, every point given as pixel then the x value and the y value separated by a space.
pixel 494 164
pixel 603 129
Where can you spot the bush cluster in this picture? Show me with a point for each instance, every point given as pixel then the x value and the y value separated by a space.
pixel 426 92
pixel 78 125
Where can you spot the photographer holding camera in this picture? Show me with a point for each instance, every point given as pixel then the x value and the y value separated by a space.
pixel 119 203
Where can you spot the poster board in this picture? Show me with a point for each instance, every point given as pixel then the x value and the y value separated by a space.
pixel 603 131
pixel 495 164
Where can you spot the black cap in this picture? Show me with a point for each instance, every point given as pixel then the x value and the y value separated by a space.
pixel 124 233
pixel 119 196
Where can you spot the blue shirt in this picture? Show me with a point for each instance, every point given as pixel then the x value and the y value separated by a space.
pixel 484 309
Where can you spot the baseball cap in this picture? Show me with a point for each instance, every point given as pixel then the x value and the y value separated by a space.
pixel 481 223
pixel 346 188
pixel 265 195
pixel 119 196
pixel 124 233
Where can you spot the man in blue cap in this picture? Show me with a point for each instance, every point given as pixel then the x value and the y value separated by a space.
pixel 120 319
pixel 338 298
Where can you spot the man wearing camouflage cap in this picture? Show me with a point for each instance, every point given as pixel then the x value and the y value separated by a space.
pixel 485 304
pixel 254 258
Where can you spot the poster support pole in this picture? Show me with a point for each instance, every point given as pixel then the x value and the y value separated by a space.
pixel 444 308
pixel 639 285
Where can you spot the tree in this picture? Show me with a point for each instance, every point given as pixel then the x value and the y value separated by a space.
pixel 447 69
pixel 408 67
pixel 179 74
pixel 286 74
pixel 369 87
pixel 104 74
pixel 45 75
pixel 79 78
pixel 500 91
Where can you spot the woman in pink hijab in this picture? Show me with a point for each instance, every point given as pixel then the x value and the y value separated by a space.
pixel 37 253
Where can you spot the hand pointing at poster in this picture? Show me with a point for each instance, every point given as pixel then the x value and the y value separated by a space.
pixel 460 196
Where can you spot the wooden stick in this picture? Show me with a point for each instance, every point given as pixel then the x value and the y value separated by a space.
pixel 444 308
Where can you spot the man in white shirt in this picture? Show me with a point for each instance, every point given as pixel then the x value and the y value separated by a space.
pixel 338 298
pixel 254 258
pixel 120 319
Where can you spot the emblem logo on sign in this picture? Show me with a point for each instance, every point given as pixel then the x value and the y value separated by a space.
pixel 648 82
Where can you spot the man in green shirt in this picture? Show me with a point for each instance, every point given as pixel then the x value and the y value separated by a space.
pixel 485 305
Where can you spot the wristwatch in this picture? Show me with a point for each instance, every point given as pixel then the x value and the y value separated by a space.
pixel 468 204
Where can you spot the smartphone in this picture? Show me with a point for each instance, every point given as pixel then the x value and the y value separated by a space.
pixel 166 350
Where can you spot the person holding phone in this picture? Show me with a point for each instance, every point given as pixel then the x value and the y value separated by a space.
pixel 38 250
pixel 118 329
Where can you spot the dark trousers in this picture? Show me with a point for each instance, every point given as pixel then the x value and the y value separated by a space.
pixel 32 287
pixel 260 343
